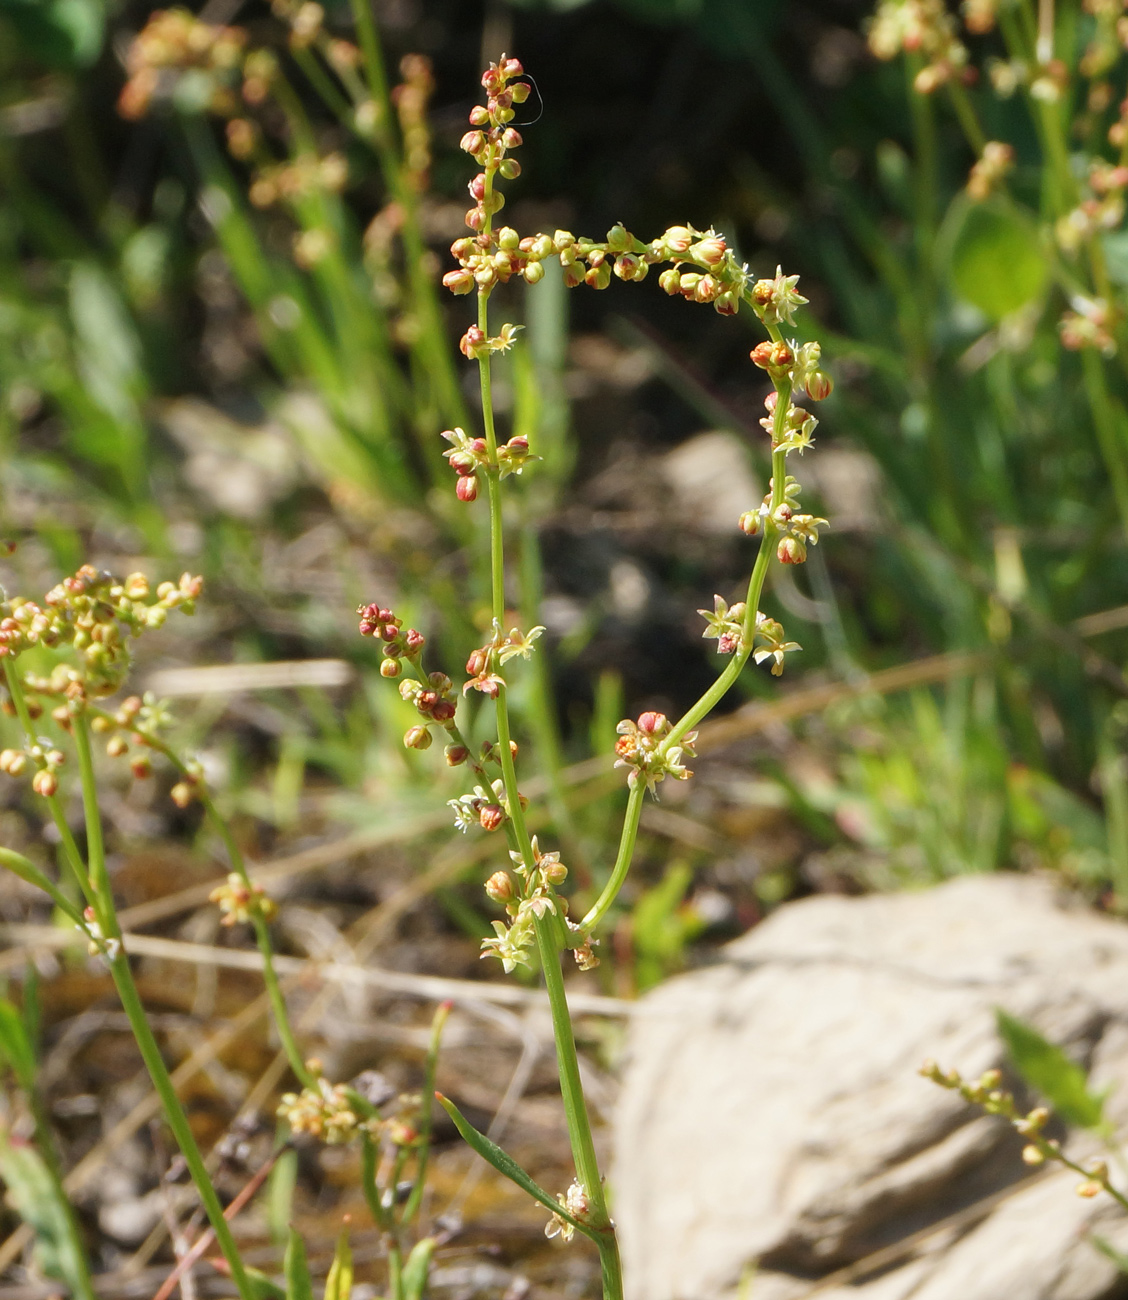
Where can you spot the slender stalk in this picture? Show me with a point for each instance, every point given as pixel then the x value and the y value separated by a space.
pixel 622 861
pixel 139 1024
pixel 415 1199
pixel 178 1121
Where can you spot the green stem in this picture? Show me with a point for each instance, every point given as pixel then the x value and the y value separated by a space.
pixel 622 862
pixel 265 947
pixel 548 944
pixel 415 1199
pixel 1110 436
pixel 178 1121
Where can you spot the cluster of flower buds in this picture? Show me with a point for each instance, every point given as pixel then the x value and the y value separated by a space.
pixel 725 624
pixel 433 699
pixel 986 1092
pixel 45 759
pixel 325 1111
pixel 989 170
pixel 382 624
pixel 470 456
pixel 796 530
pixel 799 365
pixel 795 432
pixel 304 18
pixel 525 902
pixel 144 718
pixel 292 181
pixel 410 99
pixel 1088 325
pixel 96 614
pixel 491 138
pixel 485 808
pixel 924 28
pixel 575 1202
pixel 641 748
pixel 174 41
pixel 1103 210
pixel 241 900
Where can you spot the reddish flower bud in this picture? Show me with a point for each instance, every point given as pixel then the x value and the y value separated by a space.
pixel 459 282
pixel 473 142
pixel 476 664
pixel 511 138
pixel 791 550
pixel 388 632
pixel 479 116
pixel 414 641
pixel 761 355
pixel 455 755
pixel 499 887
pixel 491 816
pixel 653 723
pixel 443 711
pixel 141 767
pixel 466 489
pixel 425 701
pixel 750 522
pixel 519 444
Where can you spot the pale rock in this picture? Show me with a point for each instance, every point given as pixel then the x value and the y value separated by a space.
pixel 772 1110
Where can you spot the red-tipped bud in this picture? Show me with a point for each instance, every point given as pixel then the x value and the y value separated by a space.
pixel 819 386
pixel 652 724
pixel 141 767
pixel 444 711
pixel 390 668
pixel 511 138
pixel 479 116
pixel 459 282
pixel 476 664
pixel 750 522
pixel 710 250
pixel 466 489
pixel 473 142
pixel 45 783
pixel 791 550
pixel 414 641
pixel 456 755
pixel 491 816
pixel 116 746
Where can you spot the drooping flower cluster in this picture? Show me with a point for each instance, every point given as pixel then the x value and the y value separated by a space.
pixel 375 621
pixel 987 1093
pixel 641 748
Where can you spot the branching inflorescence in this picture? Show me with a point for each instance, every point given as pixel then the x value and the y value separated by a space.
pixel 699 267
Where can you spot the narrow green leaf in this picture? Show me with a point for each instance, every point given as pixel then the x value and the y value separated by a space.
pixel 338 1285
pixel 36 1198
pixel 299 1285
pixel 23 867
pixel 417 1269
pixel 280 1196
pixel 505 1164
pixel 1050 1071
pixel 15 1046
pixel 1110 1252
pixel 263 1287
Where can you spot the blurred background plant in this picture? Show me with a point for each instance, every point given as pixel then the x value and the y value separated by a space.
pixel 222 343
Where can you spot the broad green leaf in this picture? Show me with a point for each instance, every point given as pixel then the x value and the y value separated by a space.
pixel 15 1046
pixel 417 1269
pixel 505 1164
pixel 59 32
pixel 299 1285
pixel 995 259
pixel 338 1285
pixel 1049 1071
pixel 36 1198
